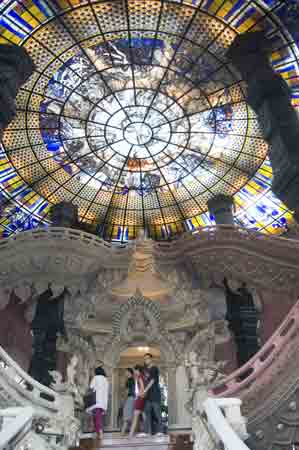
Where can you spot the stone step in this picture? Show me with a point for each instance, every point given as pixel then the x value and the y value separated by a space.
pixel 124 443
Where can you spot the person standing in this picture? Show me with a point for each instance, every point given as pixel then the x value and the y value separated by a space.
pixel 152 394
pixel 100 385
pixel 139 401
pixel 128 410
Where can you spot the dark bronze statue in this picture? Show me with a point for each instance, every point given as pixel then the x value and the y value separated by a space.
pixel 242 318
pixel 46 326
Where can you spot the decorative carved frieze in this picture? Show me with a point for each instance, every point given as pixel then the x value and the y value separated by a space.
pixel 85 263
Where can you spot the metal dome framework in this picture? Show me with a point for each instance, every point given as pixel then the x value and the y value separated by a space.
pixel 135 115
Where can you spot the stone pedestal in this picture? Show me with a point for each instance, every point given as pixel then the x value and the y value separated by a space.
pixel 269 96
pixel 64 214
pixel 16 67
pixel 221 207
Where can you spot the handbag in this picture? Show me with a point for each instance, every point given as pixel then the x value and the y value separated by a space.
pixel 89 398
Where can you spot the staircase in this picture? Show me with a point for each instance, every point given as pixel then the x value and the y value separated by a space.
pixel 124 443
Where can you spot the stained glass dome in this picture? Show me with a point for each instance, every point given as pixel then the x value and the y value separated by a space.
pixel 135 115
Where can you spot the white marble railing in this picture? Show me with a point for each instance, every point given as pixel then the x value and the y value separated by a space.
pixel 17 388
pixel 16 424
pixel 60 233
pixel 226 421
pixel 52 411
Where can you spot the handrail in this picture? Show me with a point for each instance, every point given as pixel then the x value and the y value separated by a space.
pixel 30 388
pixel 19 424
pixel 238 381
pixel 221 425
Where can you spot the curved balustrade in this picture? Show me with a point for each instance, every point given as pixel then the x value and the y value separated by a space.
pixel 70 234
pixel 238 382
pixel 17 423
pixel 227 233
pixel 23 389
pixel 208 233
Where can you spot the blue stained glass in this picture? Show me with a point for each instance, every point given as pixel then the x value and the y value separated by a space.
pixel 119 233
pixel 17 18
pixel 53 146
pixel 245 16
pixel 43 7
pixel 10 27
pixel 237 5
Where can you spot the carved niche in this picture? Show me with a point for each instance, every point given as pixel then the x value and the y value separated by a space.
pixel 138 321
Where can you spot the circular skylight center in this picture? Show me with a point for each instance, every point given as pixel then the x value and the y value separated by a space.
pixel 138 133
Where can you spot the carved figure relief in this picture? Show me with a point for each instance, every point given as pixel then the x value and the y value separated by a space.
pixel 138 324
pixel 138 321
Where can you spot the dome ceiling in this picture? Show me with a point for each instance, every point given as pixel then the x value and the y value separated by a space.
pixel 135 115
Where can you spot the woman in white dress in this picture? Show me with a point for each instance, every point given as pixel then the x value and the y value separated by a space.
pixel 100 385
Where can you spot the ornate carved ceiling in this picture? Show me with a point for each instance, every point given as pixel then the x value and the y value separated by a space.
pixel 135 115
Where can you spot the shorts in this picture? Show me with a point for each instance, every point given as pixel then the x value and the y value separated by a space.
pixel 139 404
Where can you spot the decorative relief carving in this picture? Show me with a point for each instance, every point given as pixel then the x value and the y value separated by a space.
pixel 139 320
pixel 148 311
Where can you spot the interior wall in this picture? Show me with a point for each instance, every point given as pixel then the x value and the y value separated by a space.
pixel 15 336
pixel 226 351
pixel 275 308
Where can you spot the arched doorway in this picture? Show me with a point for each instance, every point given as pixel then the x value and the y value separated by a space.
pixel 138 324
pixel 134 355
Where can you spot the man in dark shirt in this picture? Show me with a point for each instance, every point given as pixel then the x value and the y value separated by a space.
pixel 152 395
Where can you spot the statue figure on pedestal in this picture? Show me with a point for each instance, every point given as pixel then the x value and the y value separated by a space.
pixel 65 422
pixel 47 324
pixel 203 375
pixel 243 319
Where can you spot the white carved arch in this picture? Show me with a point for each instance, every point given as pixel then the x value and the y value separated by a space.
pixel 154 335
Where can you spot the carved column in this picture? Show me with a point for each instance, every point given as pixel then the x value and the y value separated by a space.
pixel 221 207
pixel 172 396
pixel 114 399
pixel 269 96
pixel 16 67
pixel 183 417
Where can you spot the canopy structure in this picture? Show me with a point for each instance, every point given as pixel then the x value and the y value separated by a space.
pixel 135 115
